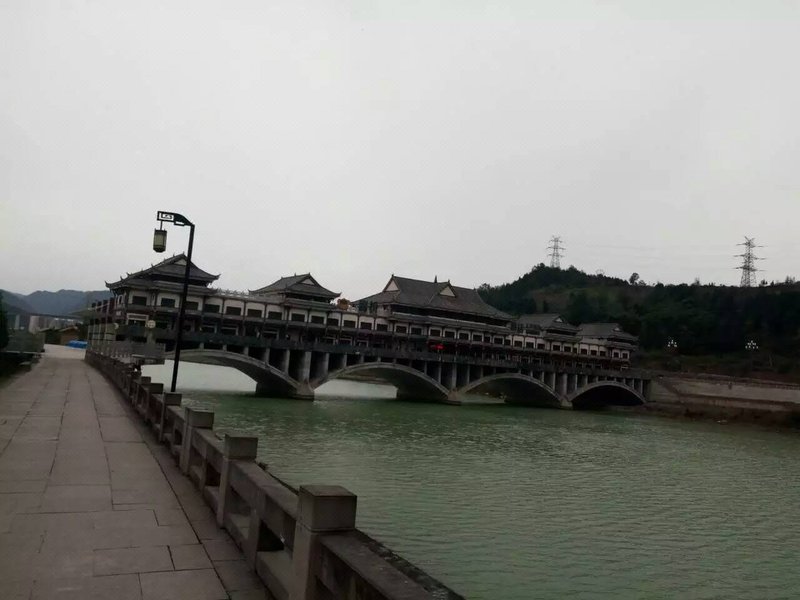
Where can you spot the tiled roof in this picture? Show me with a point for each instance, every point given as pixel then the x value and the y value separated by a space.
pixel 545 321
pixel 169 268
pixel 605 331
pixel 301 284
pixel 436 295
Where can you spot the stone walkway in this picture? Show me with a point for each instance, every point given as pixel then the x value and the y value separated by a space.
pixel 92 507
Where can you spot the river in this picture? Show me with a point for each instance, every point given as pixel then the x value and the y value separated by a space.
pixel 515 503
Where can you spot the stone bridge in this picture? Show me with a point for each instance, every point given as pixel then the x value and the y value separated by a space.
pixel 296 373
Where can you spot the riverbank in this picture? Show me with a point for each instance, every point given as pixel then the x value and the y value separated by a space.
pixel 709 397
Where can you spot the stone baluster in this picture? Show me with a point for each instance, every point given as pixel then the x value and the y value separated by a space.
pixel 235 447
pixel 170 399
pixel 194 419
pixel 322 509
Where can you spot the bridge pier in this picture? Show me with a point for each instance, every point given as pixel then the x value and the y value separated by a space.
pixel 551 380
pixel 462 374
pixel 449 375
pixel 562 384
pixel 319 367
pixel 572 384
pixel 434 371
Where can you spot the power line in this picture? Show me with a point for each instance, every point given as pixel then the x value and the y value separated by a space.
pixel 748 266
pixel 556 249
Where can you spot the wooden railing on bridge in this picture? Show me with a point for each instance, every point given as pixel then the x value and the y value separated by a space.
pixel 302 544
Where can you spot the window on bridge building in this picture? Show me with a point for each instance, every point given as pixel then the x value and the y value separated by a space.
pixel 506 342
pixel 168 302
pixel 254 312
pixel 584 351
pixel 365 325
pixel 463 336
pixel 233 310
pixel 317 319
pixel 416 331
pixel 139 300
pixel 450 334
pixel 211 308
pixel 400 329
pixel 275 315
pixel 299 318
pixel 477 338
pixel 603 353
pixel 333 322
pixel 192 305
pixel 349 323
pixel 382 327
pixel 556 347
pixel 498 340
pixel 540 346
pixel 517 344
pixel 228 330
pixel 530 345
pixel 593 352
pixel 436 333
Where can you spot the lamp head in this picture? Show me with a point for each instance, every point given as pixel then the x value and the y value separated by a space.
pixel 160 240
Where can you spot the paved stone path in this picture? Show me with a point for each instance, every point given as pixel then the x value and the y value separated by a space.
pixel 91 507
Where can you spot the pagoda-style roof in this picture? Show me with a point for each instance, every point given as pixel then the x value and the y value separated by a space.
pixel 546 322
pixel 434 295
pixel 169 270
pixel 606 331
pixel 304 285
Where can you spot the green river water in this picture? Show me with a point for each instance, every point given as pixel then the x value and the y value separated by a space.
pixel 513 503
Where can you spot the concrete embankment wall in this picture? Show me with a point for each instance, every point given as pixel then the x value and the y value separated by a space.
pixel 725 398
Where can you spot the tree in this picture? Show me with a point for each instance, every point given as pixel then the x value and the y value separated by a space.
pixel 3 324
pixel 633 279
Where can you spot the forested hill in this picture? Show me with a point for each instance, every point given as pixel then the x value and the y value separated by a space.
pixel 702 319
pixel 62 302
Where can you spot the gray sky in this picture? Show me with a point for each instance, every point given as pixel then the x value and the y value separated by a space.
pixel 422 138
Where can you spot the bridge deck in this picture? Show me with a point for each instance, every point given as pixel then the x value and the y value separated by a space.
pixel 92 507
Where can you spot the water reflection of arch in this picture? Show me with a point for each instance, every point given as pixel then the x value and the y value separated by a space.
pixel 410 383
pixel 604 393
pixel 268 378
pixel 515 388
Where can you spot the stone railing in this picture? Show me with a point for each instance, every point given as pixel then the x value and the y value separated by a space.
pixel 302 544
pixel 129 351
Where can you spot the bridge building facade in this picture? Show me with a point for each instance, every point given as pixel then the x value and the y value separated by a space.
pixel 433 340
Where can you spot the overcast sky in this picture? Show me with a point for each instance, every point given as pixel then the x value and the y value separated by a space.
pixel 360 139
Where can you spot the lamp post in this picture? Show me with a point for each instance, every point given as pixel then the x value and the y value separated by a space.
pixel 159 245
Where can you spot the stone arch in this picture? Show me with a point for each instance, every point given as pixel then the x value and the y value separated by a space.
pixel 515 388
pixel 269 380
pixel 411 384
pixel 604 393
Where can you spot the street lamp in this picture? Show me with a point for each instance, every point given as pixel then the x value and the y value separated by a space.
pixel 672 344
pixel 159 245
pixel 751 346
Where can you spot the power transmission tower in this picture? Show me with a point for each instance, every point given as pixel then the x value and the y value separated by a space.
pixel 748 266
pixel 556 250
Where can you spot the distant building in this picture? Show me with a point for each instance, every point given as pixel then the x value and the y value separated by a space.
pixel 39 323
pixel 607 340
pixel 407 314
pixel 549 332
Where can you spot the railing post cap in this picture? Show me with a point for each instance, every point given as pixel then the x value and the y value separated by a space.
pixel 240 447
pixel 172 398
pixel 326 508
pixel 199 418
